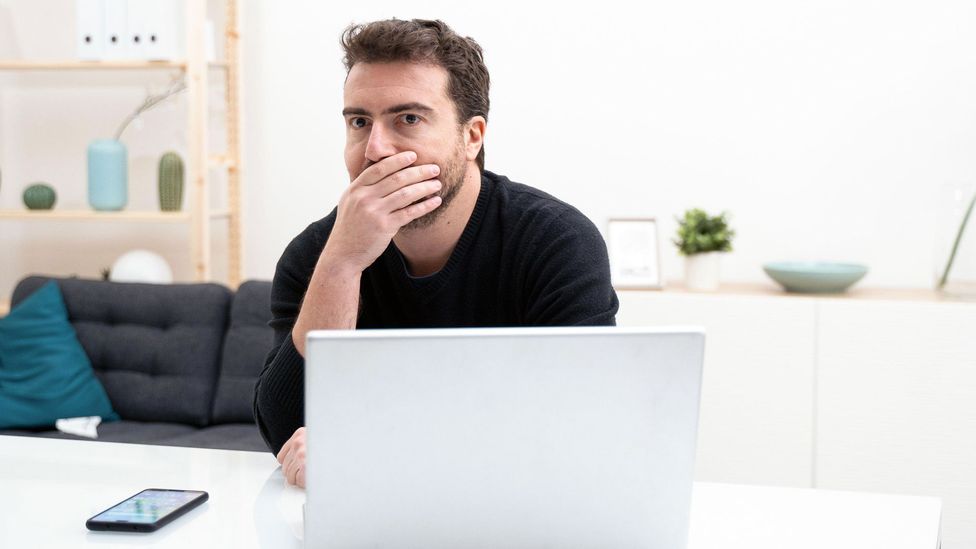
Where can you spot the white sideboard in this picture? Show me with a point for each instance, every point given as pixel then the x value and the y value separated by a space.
pixel 756 423
pixel 872 392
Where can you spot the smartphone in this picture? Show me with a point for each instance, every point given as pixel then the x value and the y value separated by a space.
pixel 147 511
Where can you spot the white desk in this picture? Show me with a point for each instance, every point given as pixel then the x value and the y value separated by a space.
pixel 50 487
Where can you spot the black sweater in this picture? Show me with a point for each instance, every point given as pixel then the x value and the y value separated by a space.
pixel 524 259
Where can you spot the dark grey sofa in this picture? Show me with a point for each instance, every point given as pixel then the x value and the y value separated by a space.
pixel 178 361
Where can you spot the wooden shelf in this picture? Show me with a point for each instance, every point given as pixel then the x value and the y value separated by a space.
pixel 219 160
pixel 771 290
pixel 199 215
pixel 62 65
pixel 91 215
pixel 74 65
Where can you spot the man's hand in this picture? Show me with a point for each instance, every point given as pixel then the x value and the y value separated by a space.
pixel 292 458
pixel 384 198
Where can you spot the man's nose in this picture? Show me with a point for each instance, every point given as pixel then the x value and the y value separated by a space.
pixel 380 144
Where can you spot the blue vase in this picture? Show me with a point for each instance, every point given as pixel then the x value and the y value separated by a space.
pixel 108 175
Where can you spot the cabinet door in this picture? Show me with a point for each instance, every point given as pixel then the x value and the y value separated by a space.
pixel 757 404
pixel 897 404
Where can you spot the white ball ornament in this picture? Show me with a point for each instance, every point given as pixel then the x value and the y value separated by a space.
pixel 141 266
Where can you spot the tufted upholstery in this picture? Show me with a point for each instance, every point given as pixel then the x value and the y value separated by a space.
pixel 179 362
pixel 248 338
pixel 154 347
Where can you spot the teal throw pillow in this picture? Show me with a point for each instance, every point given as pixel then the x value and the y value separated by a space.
pixel 45 374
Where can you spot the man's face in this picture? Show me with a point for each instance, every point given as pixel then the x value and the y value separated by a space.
pixel 396 107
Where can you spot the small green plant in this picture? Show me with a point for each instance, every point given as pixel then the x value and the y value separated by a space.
pixel 699 233
pixel 170 182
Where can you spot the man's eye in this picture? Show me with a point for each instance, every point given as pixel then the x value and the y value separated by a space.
pixel 411 119
pixel 358 122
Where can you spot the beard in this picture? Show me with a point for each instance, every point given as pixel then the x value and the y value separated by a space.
pixel 452 179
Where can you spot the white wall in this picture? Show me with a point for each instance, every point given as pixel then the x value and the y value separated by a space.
pixel 825 128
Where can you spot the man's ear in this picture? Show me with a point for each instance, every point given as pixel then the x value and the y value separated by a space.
pixel 474 136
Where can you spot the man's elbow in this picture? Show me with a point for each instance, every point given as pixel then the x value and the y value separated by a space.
pixel 259 409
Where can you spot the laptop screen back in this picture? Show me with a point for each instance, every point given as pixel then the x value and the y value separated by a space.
pixel 528 437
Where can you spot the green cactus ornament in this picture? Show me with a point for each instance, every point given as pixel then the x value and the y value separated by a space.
pixel 170 182
pixel 39 196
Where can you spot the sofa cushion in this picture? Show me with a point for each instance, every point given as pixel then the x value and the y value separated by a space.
pixel 246 346
pixel 154 347
pixel 230 436
pixel 233 436
pixel 44 372
pixel 137 432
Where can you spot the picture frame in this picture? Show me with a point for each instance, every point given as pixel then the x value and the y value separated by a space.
pixel 635 253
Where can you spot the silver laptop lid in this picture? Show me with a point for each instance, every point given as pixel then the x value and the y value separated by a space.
pixel 527 437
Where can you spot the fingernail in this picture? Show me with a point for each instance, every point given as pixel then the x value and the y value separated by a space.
pixel 411 156
pixel 435 169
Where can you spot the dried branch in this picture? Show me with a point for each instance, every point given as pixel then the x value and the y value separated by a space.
pixel 176 86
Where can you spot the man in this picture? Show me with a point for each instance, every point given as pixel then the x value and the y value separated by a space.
pixel 423 236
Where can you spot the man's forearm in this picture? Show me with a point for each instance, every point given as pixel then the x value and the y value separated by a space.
pixel 331 302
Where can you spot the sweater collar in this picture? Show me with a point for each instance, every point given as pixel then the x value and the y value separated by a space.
pixel 433 282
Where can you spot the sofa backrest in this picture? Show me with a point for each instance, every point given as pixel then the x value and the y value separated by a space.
pixel 246 345
pixel 154 347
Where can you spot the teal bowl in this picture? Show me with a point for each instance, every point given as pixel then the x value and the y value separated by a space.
pixel 815 277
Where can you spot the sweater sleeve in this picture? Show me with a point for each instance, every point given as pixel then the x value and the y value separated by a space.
pixel 279 395
pixel 567 274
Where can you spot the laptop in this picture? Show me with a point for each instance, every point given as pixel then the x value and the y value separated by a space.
pixel 501 438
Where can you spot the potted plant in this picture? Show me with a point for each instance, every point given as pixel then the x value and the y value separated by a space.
pixel 701 239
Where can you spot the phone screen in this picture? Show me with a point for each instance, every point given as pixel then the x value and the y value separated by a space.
pixel 148 506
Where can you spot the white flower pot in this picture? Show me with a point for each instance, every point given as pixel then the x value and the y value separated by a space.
pixel 702 271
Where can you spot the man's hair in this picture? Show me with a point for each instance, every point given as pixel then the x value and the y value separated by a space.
pixel 429 42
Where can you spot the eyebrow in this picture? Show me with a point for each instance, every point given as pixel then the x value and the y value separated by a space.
pixel 402 107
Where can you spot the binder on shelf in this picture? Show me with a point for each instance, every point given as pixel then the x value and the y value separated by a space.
pixel 163 31
pixel 115 43
pixel 89 29
pixel 138 23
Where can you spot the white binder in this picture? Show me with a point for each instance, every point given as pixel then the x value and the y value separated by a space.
pixel 139 14
pixel 163 38
pixel 90 25
pixel 115 43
